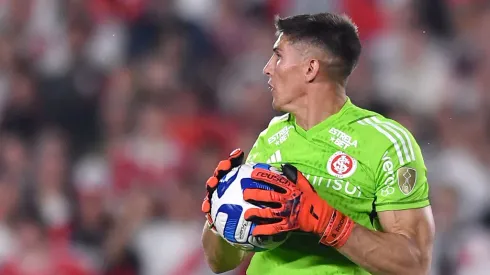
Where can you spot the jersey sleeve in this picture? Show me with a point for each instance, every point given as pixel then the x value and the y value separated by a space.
pixel 252 155
pixel 401 178
pixel 259 151
pixel 256 152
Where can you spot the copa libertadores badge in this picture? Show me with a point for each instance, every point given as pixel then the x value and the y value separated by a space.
pixel 407 177
pixel 341 165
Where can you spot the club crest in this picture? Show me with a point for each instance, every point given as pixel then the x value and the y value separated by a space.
pixel 341 165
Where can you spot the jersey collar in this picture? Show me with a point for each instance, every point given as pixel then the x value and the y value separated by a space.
pixel 324 124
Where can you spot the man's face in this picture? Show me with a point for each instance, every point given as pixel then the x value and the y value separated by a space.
pixel 285 73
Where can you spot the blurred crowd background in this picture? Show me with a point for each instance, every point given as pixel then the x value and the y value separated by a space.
pixel 113 113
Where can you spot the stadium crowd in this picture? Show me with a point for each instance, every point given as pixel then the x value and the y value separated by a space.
pixel 113 114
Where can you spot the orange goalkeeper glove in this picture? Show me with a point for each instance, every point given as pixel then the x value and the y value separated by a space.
pixel 235 159
pixel 294 205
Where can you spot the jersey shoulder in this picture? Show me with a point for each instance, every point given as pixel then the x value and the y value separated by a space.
pixel 276 123
pixel 276 132
pixel 278 119
pixel 381 134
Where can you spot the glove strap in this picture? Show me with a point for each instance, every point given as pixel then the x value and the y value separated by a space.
pixel 338 230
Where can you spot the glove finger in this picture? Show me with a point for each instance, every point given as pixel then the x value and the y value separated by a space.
pixel 278 182
pixel 236 154
pixel 236 157
pixel 268 229
pixel 223 167
pixel 206 206
pixel 290 172
pixel 260 195
pixel 294 175
pixel 273 228
pixel 261 213
pixel 212 182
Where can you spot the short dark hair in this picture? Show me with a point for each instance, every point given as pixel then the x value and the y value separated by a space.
pixel 336 34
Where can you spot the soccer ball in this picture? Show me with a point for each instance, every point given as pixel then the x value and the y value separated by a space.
pixel 228 208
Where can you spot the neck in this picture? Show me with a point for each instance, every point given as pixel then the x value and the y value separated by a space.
pixel 318 104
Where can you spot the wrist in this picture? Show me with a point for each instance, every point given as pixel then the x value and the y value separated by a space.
pixel 338 229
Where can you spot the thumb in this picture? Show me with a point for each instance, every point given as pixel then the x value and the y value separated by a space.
pixel 236 157
pixel 292 173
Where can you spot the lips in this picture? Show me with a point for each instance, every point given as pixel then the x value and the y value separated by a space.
pixel 270 86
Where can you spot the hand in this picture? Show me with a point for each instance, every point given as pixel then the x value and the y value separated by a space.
pixel 235 159
pixel 298 208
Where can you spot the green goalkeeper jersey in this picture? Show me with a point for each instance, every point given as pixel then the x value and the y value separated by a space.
pixel 359 162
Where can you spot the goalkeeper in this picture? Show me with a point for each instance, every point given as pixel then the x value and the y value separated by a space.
pixel 360 203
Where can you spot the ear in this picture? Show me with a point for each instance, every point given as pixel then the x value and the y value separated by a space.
pixel 312 69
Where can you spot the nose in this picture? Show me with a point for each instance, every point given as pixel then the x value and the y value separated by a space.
pixel 267 68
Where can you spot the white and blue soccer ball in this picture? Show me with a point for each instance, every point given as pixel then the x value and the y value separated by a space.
pixel 228 208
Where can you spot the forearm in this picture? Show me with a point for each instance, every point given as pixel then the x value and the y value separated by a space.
pixel 220 255
pixel 384 253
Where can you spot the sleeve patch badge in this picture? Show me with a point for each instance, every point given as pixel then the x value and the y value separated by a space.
pixel 407 177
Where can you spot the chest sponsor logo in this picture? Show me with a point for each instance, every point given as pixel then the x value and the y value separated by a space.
pixel 407 177
pixel 343 186
pixel 342 139
pixel 280 136
pixel 341 165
